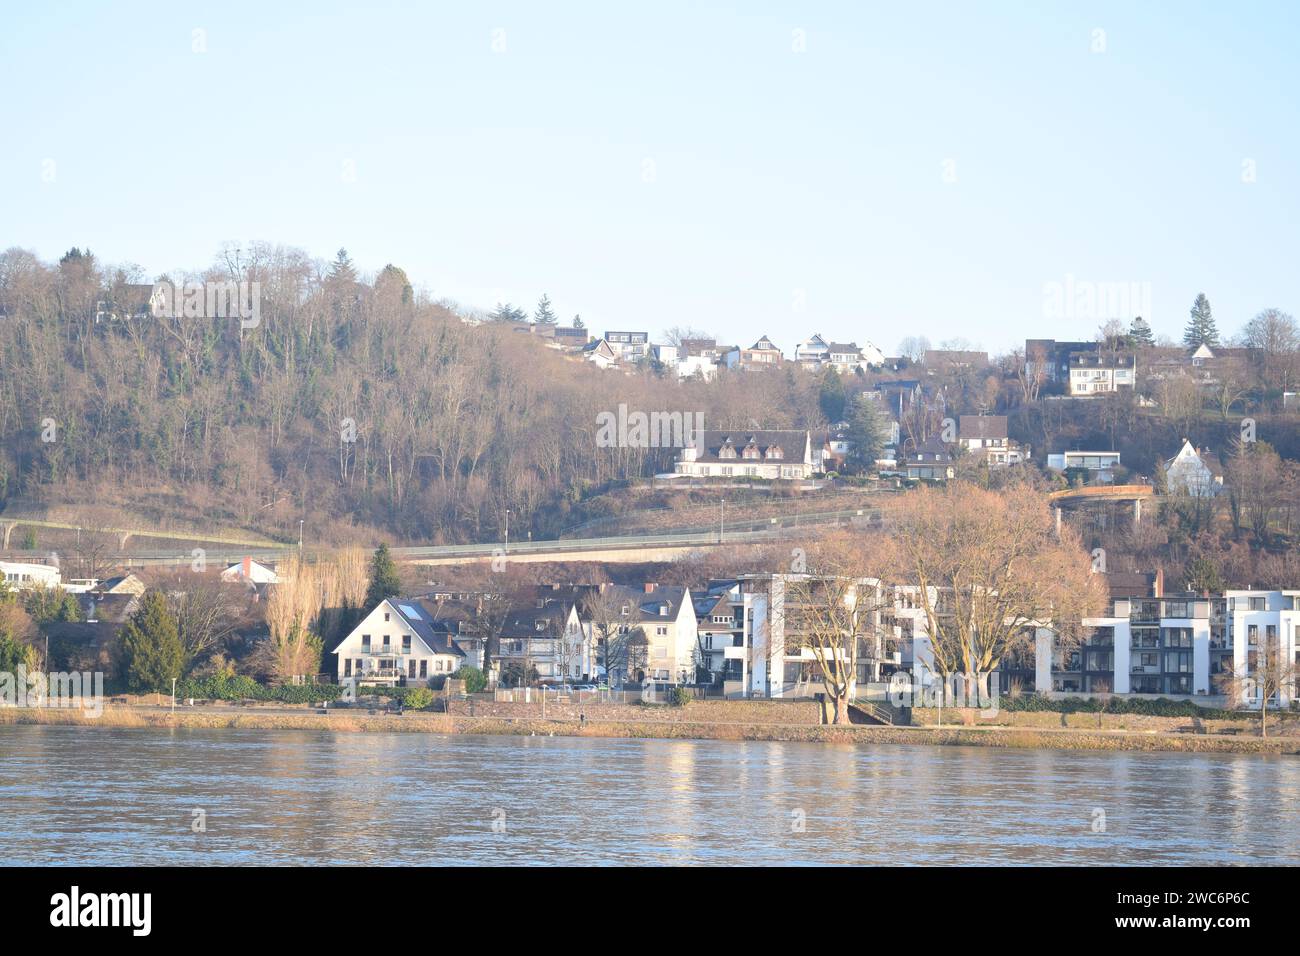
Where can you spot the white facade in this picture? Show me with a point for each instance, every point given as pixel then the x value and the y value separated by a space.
pixel 22 577
pixel 387 647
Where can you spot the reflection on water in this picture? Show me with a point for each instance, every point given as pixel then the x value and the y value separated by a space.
pixel 128 796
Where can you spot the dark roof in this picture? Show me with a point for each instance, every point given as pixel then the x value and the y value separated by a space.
pixel 645 606
pixel 415 616
pixel 1131 584
pixel 1095 360
pixel 793 444
pixel 983 426
pixel 931 451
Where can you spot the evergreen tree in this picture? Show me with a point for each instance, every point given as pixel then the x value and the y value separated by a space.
pixel 342 270
pixel 867 431
pixel 385 582
pixel 831 399
pixel 152 655
pixel 505 312
pixel 544 314
pixel 1201 329
pixel 1140 334
pixel 577 322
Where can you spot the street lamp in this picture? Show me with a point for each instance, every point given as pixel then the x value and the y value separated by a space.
pixel 300 535
pixel 173 696
pixel 722 520
pixel 506 546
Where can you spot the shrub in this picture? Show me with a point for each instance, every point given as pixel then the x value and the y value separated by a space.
pixel 419 698
pixel 680 696
pixel 475 680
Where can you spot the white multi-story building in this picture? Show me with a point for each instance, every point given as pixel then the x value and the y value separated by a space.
pixel 22 577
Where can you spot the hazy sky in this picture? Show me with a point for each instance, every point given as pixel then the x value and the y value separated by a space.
pixel 866 170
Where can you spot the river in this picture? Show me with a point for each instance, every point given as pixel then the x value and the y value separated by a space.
pixel 118 797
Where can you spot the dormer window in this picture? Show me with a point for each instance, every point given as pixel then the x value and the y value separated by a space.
pixel 727 450
pixel 751 451
pixel 774 451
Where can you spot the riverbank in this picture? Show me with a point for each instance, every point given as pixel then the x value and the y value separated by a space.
pixel 1062 738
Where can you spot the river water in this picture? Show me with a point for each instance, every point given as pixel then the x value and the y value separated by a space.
pixel 116 797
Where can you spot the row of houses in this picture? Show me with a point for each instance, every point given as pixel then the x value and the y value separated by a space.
pixel 1093 369
pixel 741 635
pixel 703 357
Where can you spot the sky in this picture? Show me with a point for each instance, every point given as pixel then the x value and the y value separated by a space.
pixel 868 171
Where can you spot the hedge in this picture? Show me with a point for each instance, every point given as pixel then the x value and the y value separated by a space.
pixel 1149 707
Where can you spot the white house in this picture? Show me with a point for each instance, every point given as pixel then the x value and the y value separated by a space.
pixel 1102 464
pixel 397 644
pixel 1193 473
pixel 250 571
pixel 1094 374
pixel 701 365
pixel 22 577
pixel 754 454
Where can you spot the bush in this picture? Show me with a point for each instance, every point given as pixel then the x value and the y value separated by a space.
pixel 419 698
pixel 475 680
pixel 680 696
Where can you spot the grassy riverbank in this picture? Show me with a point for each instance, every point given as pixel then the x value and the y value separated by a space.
pixel 341 722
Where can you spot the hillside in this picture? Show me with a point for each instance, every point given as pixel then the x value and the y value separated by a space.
pixel 358 407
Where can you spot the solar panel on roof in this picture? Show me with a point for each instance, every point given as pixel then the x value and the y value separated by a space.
pixel 409 611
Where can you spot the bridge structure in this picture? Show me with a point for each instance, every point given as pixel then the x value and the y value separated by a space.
pixel 1074 498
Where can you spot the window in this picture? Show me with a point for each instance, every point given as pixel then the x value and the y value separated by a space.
pixel 424 668
pixel 410 668
pixel 406 643
pixel 347 667
pixel 365 642
pixel 386 617
pixel 1257 604
pixel 661 631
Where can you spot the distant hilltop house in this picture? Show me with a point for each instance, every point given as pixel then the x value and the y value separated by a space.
pixel 816 353
pixel 986 436
pixel 22 576
pixel 1082 369
pixel 1102 373
pixel 1100 465
pixel 630 347
pixel 250 571
pixel 762 354
pixel 771 454
pixel 930 460
pixel 1193 473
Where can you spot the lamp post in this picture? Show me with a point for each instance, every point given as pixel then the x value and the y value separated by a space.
pixel 300 535
pixel 173 696
pixel 506 546
pixel 722 519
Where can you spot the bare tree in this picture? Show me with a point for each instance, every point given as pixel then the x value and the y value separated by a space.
pixel 1267 674
pixel 989 568
pixel 834 611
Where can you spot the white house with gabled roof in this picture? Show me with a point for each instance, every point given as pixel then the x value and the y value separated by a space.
pixel 397 644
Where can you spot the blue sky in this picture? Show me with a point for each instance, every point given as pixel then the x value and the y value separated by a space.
pixel 919 168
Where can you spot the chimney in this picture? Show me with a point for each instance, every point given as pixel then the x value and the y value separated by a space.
pixel 650 587
pixel 1159 584
pixel 248 566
